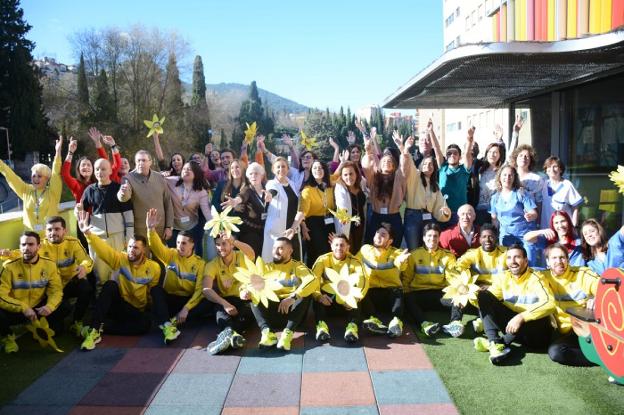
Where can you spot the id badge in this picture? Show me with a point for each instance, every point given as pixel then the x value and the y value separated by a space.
pixel 427 216
pixel 185 219
pixel 38 228
pixel 383 211
pixel 263 216
pixel 329 220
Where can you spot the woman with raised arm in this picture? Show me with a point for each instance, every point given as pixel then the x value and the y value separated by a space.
pixel 559 194
pixel 523 159
pixel 349 195
pixel 387 186
pixel 560 231
pixel 118 166
pixel 42 196
pixel 486 169
pixel 84 171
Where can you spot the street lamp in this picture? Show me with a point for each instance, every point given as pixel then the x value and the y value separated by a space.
pixel 6 130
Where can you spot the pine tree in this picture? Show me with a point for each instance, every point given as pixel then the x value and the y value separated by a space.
pixel 252 111
pixel 83 88
pixel 199 116
pixel 172 102
pixel 21 109
pixel 103 104
pixel 199 83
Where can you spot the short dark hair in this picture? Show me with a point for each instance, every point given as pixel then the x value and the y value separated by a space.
pixel 188 234
pixel 554 160
pixel 489 227
pixel 557 245
pixel 342 236
pixel 140 238
pixel 285 239
pixel 430 226
pixel 57 219
pixel 228 150
pixel 387 227
pixel 32 234
pixel 454 146
pixel 519 247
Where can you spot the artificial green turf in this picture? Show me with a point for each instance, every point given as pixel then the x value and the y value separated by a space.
pixel 19 370
pixel 530 384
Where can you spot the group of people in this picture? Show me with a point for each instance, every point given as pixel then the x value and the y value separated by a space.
pixel 320 237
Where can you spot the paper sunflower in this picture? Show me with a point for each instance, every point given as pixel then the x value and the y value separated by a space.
pixel 222 223
pixel 42 333
pixel 617 177
pixel 155 125
pixel 250 132
pixel 261 287
pixel 462 289
pixel 344 285
pixel 307 142
pixel 343 216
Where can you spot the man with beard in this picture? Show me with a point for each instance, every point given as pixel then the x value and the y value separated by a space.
pixel 383 265
pixel 297 282
pixel 233 314
pixel 30 287
pixel 518 304
pixel 120 307
pixel 481 263
pixel 324 302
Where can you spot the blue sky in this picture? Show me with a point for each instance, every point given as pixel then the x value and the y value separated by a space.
pixel 319 53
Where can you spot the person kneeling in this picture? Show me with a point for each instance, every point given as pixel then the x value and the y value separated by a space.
pixel 297 282
pixel 330 302
pixel 519 304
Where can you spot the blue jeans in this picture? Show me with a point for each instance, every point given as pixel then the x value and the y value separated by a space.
pixel 413 225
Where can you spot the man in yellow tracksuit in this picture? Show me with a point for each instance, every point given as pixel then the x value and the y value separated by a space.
pixel 482 262
pixel 181 290
pixel 120 307
pixel 30 287
pixel 325 302
pixel 298 284
pixel 424 278
pixel 220 287
pixel 572 287
pixel 519 303
pixel 383 265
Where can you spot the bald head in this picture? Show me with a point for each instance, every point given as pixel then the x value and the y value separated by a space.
pixel 467 216
pixel 103 171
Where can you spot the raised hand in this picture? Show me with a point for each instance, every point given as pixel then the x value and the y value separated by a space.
pixel 409 143
pixel 351 137
pixel 344 156
pixel 73 145
pixel 83 222
pixel 471 132
pixel 373 133
pixel 260 143
pixel 58 145
pixel 398 139
pixel 208 149
pixel 151 219
pixel 95 135
pixel 333 143
pixel 286 139
pixel 518 124
pixel 108 140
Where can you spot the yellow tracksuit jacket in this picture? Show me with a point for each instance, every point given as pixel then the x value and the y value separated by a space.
pixel 427 270
pixel 528 294
pixel 68 255
pixel 223 275
pixel 134 281
pixel 184 275
pixel 382 269
pixel 295 278
pixel 328 261
pixel 24 285
pixel 572 289
pixel 483 264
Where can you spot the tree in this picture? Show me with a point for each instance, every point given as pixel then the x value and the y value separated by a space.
pixel 199 83
pixel 83 87
pixel 103 105
pixel 21 109
pixel 172 104
pixel 252 111
pixel 199 116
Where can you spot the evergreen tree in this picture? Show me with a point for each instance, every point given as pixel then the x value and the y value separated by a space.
pixel 20 91
pixel 252 111
pixel 83 88
pixel 199 83
pixel 172 102
pixel 199 116
pixel 104 106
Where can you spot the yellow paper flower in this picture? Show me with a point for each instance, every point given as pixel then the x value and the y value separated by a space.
pixel 307 142
pixel 42 333
pixel 250 132
pixel 462 289
pixel 617 177
pixel 344 285
pixel 261 286
pixel 155 125
pixel 222 223
pixel 343 216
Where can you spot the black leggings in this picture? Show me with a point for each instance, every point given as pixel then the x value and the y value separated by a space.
pixel 8 319
pixel 318 243
pixel 82 290
pixel 417 302
pixel 495 315
pixel 117 315
pixel 565 349
pixel 322 311
pixel 383 299
pixel 271 318
pixel 165 305
pixel 238 322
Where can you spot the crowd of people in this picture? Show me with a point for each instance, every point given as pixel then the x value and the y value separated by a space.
pixel 328 238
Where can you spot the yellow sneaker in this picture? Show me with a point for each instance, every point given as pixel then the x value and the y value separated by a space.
pixel 374 325
pixel 481 344
pixel 322 331
pixel 498 352
pixel 78 329
pixel 9 344
pixel 395 328
pixel 268 339
pixel 285 340
pixel 351 333
pixel 91 339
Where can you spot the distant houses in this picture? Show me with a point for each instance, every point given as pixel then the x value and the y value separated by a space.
pixel 50 67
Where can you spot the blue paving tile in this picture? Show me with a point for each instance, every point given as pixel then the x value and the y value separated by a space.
pixel 34 410
pixel 96 360
pixel 59 387
pixel 183 410
pixel 413 386
pixel 271 361
pixel 270 389
pixel 181 389
pixel 338 410
pixel 328 358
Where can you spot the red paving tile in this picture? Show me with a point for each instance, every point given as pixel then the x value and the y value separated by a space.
pixel 397 357
pixel 422 409
pixel 148 360
pixel 106 410
pixel 122 342
pixel 337 389
pixel 261 411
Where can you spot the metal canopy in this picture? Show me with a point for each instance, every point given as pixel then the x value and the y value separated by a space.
pixel 493 75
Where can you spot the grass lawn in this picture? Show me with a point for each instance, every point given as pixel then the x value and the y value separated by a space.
pixel 18 370
pixel 530 384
